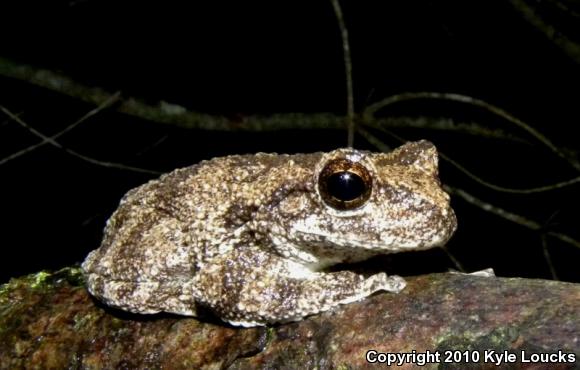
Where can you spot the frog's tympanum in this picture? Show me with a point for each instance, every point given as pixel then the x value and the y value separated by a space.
pixel 251 236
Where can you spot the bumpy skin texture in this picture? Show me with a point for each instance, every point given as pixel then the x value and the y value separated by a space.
pixel 249 236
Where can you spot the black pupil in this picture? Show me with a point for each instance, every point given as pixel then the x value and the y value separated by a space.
pixel 345 185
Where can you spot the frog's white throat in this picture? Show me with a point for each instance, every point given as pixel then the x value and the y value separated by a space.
pixel 320 250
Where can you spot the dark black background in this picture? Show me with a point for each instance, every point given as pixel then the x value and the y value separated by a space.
pixel 246 58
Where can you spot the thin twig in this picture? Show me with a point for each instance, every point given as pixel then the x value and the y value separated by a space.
pixel 488 207
pixel 515 218
pixel 56 144
pixel 377 142
pixel 372 139
pixel 149 147
pixel 444 124
pixel 458 265
pixel 548 257
pixel 348 71
pixel 571 48
pixel 565 238
pixel 179 116
pixel 166 113
pixel 9 120
pixel 370 111
pixel 104 105
pixel 487 184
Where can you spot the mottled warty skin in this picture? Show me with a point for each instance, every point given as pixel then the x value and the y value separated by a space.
pixel 249 236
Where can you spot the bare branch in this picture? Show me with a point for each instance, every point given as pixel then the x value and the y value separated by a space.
pixel 370 111
pixel 458 265
pixel 56 144
pixel 164 112
pixel 372 139
pixel 488 207
pixel 487 184
pixel 348 70
pixel 565 238
pixel 515 218
pixel 176 115
pixel 379 144
pixel 548 257
pixel 444 124
pixel 30 148
pixel 571 48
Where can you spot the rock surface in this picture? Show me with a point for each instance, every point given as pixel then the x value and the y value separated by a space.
pixel 48 321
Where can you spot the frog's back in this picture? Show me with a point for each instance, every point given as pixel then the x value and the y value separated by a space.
pixel 165 230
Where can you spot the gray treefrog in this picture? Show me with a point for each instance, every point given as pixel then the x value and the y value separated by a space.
pixel 251 236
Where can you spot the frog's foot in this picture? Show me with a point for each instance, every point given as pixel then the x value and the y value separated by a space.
pixel 251 297
pixel 345 287
pixel 143 297
pixel 381 281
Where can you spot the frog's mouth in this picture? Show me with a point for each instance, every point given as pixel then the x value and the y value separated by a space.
pixel 375 236
pixel 388 243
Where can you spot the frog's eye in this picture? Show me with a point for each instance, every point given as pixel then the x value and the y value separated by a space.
pixel 344 185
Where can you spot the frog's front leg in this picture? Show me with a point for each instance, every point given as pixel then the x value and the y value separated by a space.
pixel 249 287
